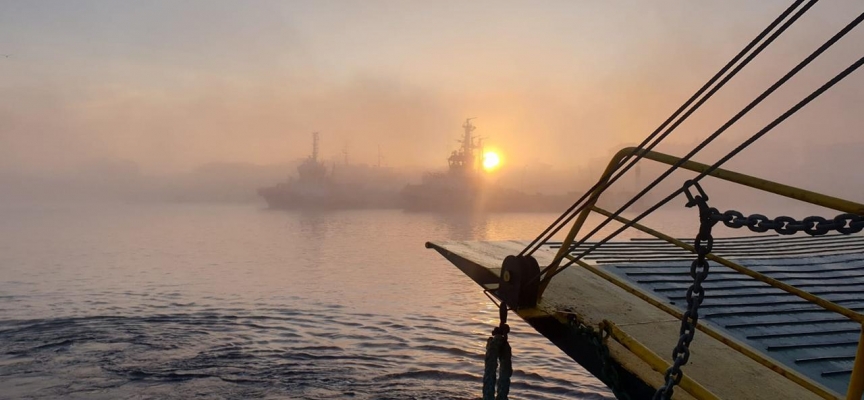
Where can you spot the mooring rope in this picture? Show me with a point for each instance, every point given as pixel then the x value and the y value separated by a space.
pixel 497 349
pixel 496 383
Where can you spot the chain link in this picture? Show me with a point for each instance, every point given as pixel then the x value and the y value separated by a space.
pixel 813 226
pixel 708 217
pixel 703 243
pixel 598 338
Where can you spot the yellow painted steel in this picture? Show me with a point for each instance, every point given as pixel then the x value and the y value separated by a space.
pixel 856 381
pixel 754 355
pixel 571 235
pixel 731 176
pixel 791 192
pixel 652 359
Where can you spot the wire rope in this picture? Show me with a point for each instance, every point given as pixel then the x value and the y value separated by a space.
pixel 574 209
pixel 834 39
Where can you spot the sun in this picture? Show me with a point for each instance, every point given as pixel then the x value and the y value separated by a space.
pixel 491 160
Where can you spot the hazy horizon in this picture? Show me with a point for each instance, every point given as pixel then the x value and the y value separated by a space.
pixel 169 87
pixel 164 233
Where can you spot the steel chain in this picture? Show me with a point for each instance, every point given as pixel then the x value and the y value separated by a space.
pixel 708 217
pixel 598 338
pixel 813 226
pixel 703 243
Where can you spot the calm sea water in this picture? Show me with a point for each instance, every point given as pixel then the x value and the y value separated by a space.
pixel 180 301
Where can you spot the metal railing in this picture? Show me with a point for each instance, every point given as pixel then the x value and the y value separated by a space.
pixel 855 389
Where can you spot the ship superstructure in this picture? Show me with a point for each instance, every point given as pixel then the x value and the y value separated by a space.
pixel 469 157
pixel 776 313
pixel 320 187
pixel 464 187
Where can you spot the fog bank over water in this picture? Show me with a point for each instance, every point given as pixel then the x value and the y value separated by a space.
pixel 206 101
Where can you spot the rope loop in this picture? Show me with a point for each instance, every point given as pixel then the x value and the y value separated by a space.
pixel 498 361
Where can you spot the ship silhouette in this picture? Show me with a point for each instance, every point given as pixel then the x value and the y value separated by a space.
pixel 465 186
pixel 320 187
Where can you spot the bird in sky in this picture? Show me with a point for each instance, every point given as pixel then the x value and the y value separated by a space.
pixel 6 55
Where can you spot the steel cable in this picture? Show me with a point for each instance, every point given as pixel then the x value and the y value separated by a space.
pixel 839 77
pixel 572 211
pixel 725 126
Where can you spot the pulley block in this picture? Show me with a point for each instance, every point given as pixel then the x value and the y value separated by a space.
pixel 519 281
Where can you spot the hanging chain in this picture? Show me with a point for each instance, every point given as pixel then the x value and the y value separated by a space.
pixel 695 294
pixel 598 338
pixel 813 226
pixel 708 217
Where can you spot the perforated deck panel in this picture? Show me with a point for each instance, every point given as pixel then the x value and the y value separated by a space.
pixel 820 344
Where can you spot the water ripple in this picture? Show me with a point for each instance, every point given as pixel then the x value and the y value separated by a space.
pixel 362 361
pixel 166 303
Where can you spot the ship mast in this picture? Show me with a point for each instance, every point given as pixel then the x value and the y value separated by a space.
pixel 315 146
pixel 464 160
pixel 379 156
pixel 468 139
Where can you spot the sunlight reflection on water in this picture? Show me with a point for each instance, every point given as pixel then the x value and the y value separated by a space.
pixel 176 301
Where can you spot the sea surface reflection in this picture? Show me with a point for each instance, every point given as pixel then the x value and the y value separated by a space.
pixel 236 302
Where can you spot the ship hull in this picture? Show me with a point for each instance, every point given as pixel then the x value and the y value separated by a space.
pixel 326 198
pixel 426 198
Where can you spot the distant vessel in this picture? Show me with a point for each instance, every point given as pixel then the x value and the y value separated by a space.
pixel 319 187
pixel 745 317
pixel 464 188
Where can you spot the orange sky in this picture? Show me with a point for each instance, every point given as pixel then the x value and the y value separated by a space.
pixel 171 86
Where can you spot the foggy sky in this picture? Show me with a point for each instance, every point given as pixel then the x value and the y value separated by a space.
pixel 171 85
